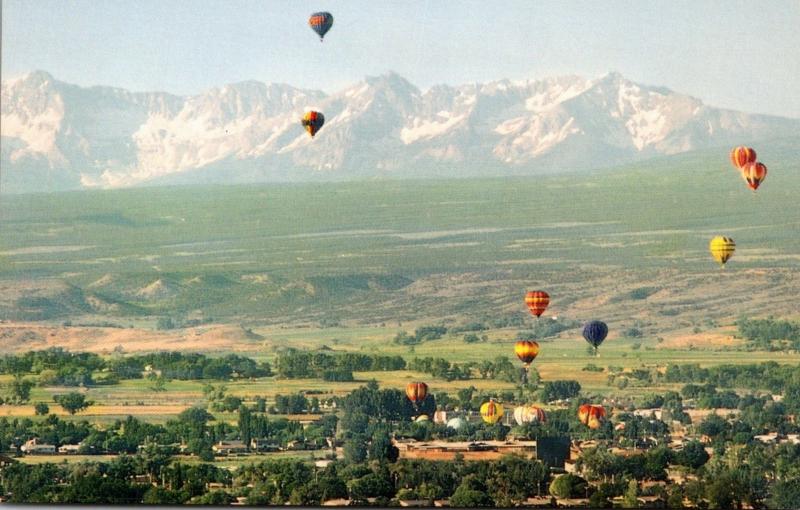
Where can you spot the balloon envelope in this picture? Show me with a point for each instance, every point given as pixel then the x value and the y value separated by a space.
pixel 491 412
pixel 722 249
pixel 416 391
pixel 537 301
pixel 529 414
pixel 740 156
pixel 595 332
pixel 591 415
pixel 321 22
pixel 313 122
pixel 526 351
pixel 754 174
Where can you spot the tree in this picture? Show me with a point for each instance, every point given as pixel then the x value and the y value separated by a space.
pixel 355 450
pixel 21 389
pixel 568 486
pixel 41 409
pixel 470 494
pixel 693 455
pixel 631 497
pixel 785 494
pixel 73 402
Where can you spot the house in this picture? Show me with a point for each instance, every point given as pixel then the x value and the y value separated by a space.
pixel 69 449
pixel 34 447
pixel 417 503
pixel 229 447
pixel 469 450
pixel 296 445
pixel 263 445
pixel 6 460
pixel 656 413
pixel 336 502
pixel 770 438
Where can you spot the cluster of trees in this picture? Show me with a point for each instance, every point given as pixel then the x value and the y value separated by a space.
pixel 501 369
pixel 545 328
pixel 294 364
pixel 421 334
pixel 770 334
pixel 56 366
pixel 772 376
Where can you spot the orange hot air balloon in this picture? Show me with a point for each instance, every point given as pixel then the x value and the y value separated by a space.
pixel 740 156
pixel 416 392
pixel 491 412
pixel 526 351
pixel 313 122
pixel 754 174
pixel 591 415
pixel 537 301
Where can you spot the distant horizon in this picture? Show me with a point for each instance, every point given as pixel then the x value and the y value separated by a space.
pixel 387 72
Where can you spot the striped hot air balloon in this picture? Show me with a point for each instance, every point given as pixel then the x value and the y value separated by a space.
pixel 537 301
pixel 740 156
pixel 529 414
pixel 416 392
pixel 491 412
pixel 754 174
pixel 321 22
pixel 526 351
pixel 591 415
pixel 312 122
pixel 722 249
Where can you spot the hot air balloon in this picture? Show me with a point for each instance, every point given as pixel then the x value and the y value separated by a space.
pixel 456 423
pixel 526 351
pixel 320 23
pixel 740 156
pixel 754 174
pixel 537 301
pixel 313 122
pixel 722 249
pixel 529 414
pixel 416 392
pixel 421 418
pixel 595 332
pixel 591 415
pixel 491 412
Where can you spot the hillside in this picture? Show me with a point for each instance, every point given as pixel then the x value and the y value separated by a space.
pixel 629 245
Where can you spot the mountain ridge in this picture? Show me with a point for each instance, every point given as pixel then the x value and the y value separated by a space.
pixel 56 135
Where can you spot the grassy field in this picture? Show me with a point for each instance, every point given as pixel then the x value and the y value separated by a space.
pixel 377 252
pixel 252 269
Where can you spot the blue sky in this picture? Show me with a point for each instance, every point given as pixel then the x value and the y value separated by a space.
pixel 736 54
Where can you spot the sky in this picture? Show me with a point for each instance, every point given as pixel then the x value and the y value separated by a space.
pixel 735 54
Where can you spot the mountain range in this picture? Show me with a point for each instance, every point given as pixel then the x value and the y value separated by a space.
pixel 58 136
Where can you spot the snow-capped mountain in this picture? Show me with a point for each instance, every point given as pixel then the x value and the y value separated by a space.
pixel 59 136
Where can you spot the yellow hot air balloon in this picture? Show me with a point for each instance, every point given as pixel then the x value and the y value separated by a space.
pixel 722 249
pixel 491 412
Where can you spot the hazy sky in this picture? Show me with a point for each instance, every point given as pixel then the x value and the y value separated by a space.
pixel 738 54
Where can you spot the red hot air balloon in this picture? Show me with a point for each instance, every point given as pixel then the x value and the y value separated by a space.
pixel 754 174
pixel 591 415
pixel 537 301
pixel 740 156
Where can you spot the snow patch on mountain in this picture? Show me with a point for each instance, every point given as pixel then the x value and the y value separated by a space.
pixel 56 135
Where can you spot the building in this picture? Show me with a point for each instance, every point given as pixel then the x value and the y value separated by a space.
pixel 263 445
pixel 470 450
pixel 34 447
pixel 69 449
pixel 229 447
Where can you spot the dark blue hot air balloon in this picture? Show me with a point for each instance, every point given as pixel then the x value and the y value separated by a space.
pixel 595 332
pixel 321 22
